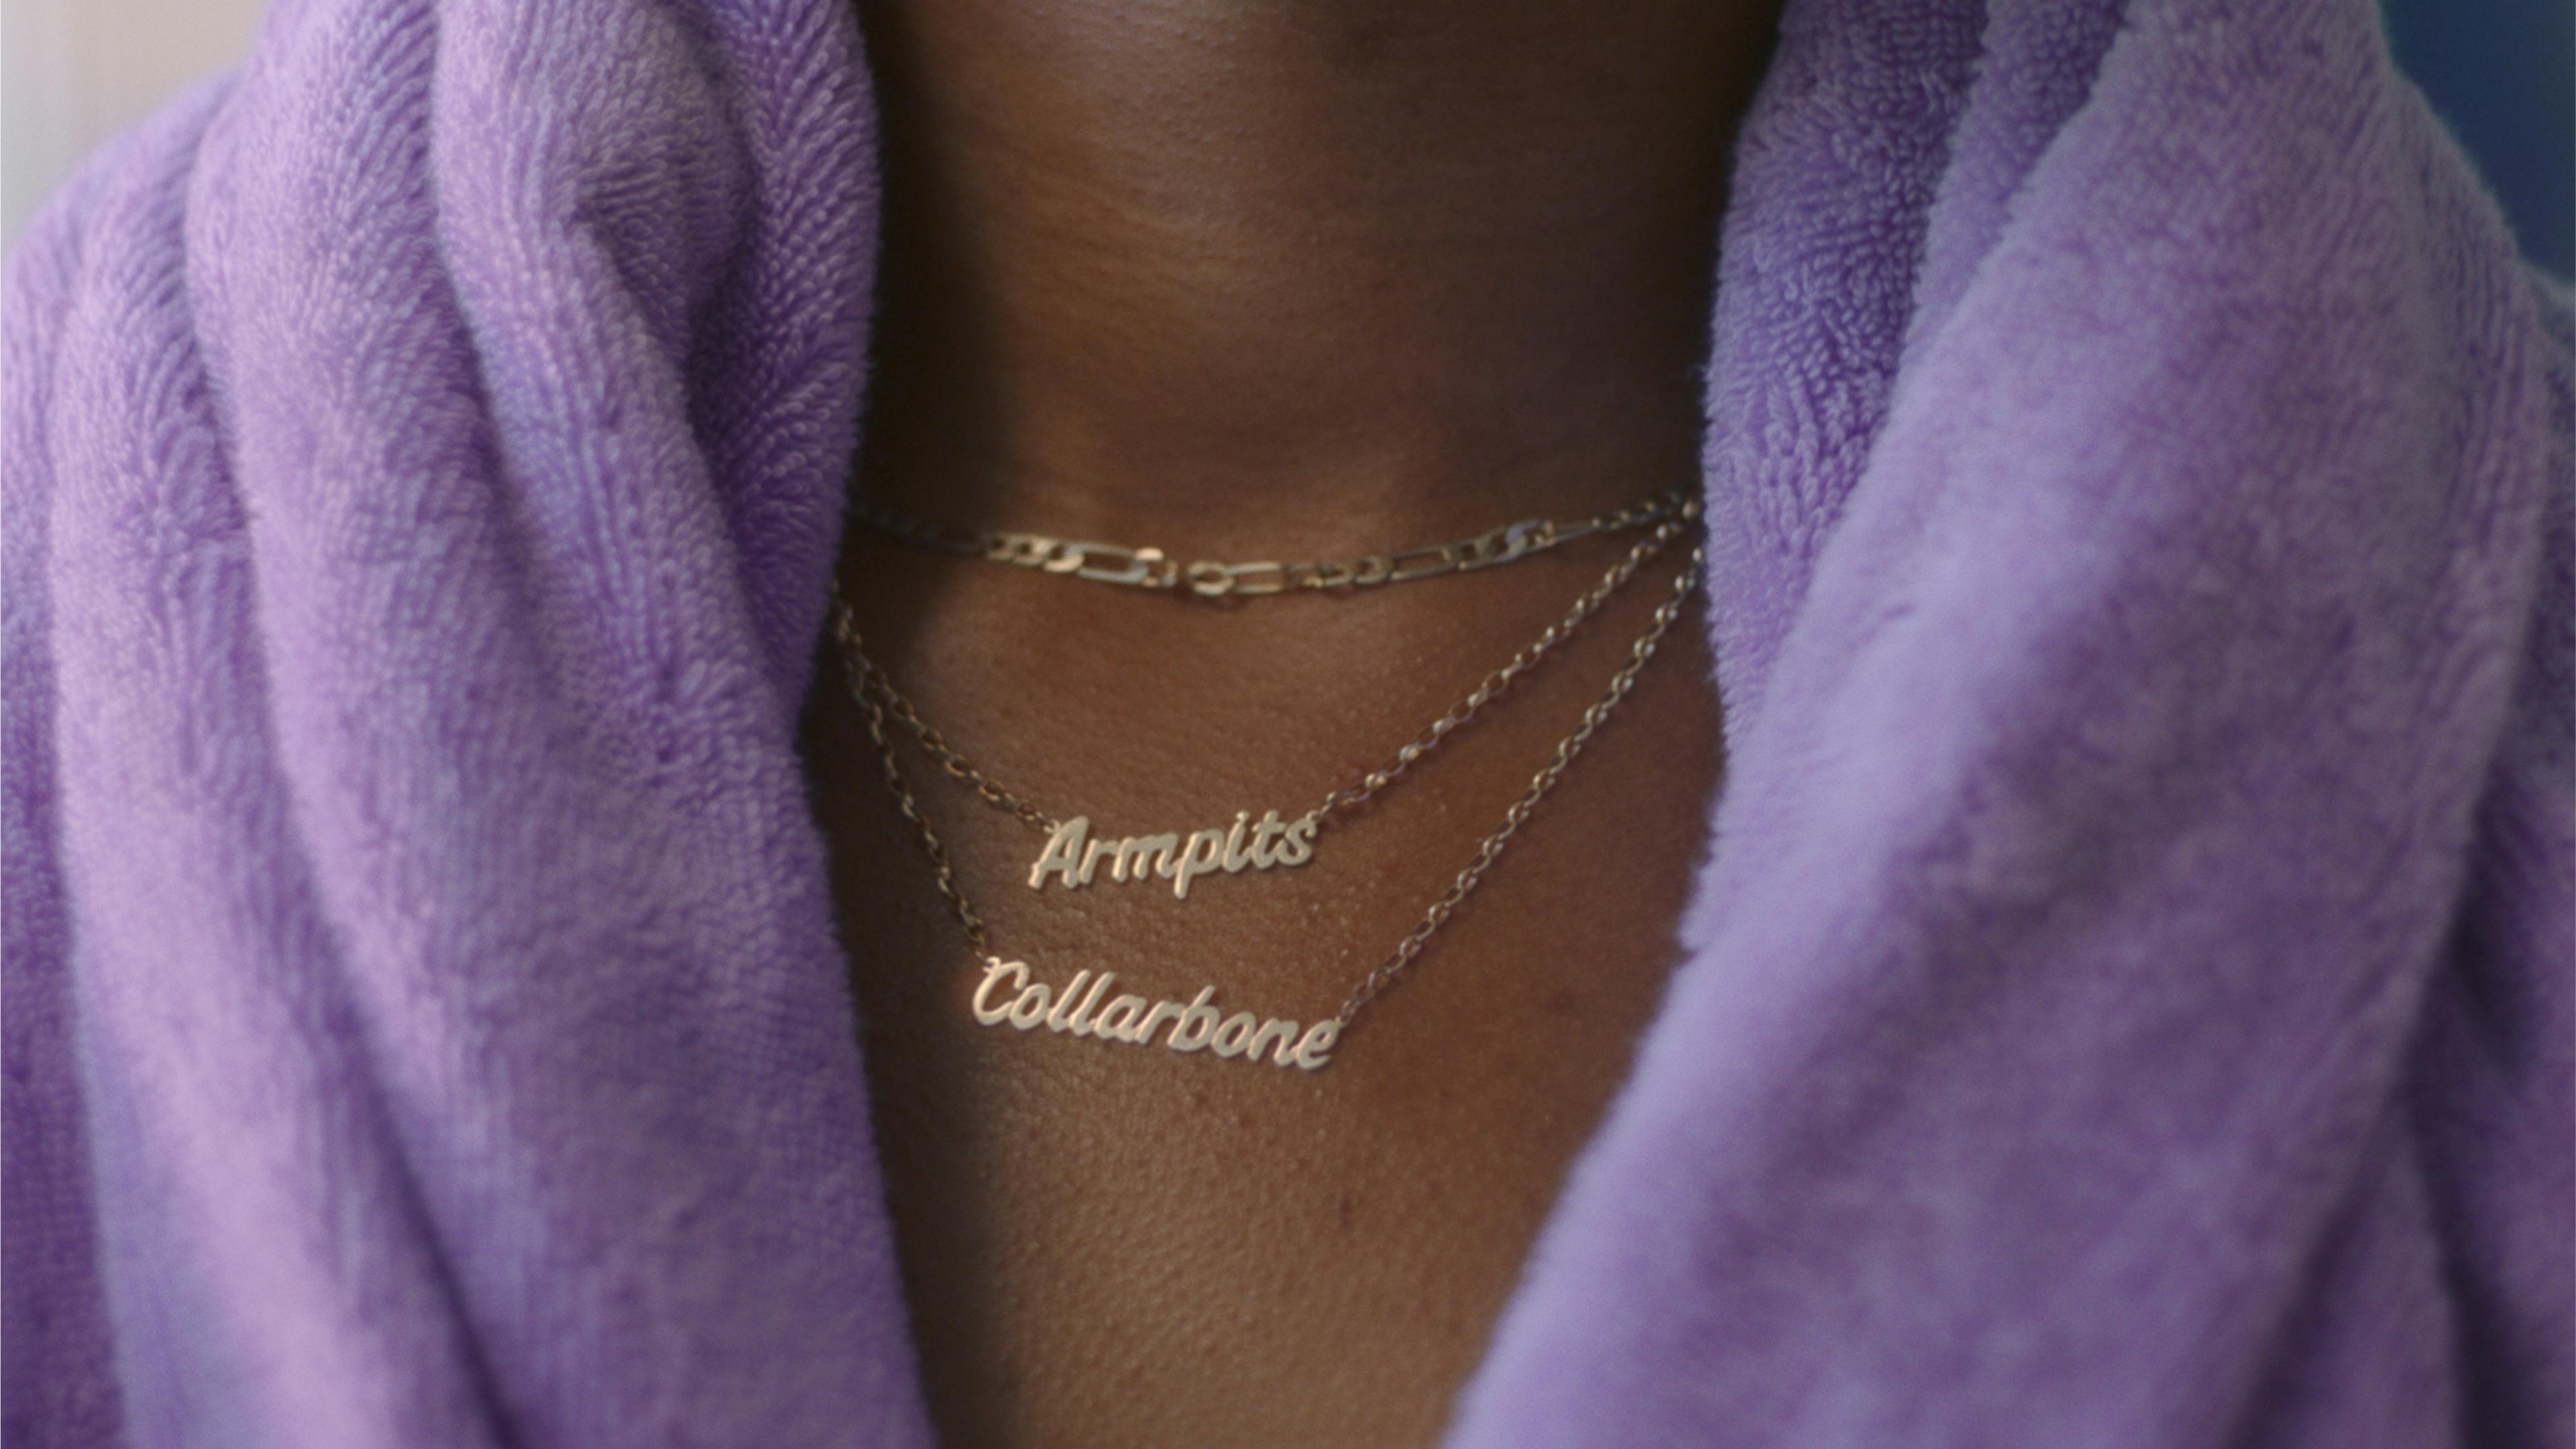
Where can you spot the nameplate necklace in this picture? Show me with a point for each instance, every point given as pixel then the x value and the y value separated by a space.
pixel 1076 854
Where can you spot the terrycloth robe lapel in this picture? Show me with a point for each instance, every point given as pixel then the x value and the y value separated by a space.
pixel 439 464
pixel 2130 482
pixel 2131 550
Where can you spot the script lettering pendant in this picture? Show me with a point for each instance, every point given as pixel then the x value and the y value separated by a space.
pixel 1010 996
pixel 1074 857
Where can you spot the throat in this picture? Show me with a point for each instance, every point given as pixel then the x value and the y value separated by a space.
pixel 1223 270
pixel 1252 281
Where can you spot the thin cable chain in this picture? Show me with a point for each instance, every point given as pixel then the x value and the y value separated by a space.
pixel 1490 848
pixel 958 905
pixel 875 682
pixel 1406 951
pixel 1147 567
pixel 933 743
pixel 1360 791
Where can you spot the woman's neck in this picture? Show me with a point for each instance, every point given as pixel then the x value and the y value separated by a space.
pixel 1228 272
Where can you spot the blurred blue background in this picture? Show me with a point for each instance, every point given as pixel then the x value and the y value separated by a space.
pixel 2503 73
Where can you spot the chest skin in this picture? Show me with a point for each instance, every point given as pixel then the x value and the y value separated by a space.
pixel 1106 1244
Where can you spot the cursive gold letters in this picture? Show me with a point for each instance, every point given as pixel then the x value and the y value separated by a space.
pixel 1008 996
pixel 1073 856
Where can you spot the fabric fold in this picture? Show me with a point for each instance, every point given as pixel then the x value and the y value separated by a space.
pixel 2128 1003
pixel 466 1053
pixel 2093 845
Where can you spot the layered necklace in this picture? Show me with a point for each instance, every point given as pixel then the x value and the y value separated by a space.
pixel 1076 855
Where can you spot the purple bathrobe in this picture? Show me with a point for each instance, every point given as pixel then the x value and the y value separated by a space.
pixel 2128 994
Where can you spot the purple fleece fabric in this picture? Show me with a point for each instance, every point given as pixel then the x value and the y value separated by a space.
pixel 2128 1000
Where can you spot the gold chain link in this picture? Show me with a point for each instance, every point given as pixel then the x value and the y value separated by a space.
pixel 1360 791
pixel 876 696
pixel 1490 848
pixel 873 681
pixel 874 685
pixel 958 905
pixel 1152 568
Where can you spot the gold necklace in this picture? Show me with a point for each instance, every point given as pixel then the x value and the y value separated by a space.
pixel 1075 858
pixel 1010 995
pixel 1147 567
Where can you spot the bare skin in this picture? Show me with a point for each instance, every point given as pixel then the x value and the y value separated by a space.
pixel 1254 281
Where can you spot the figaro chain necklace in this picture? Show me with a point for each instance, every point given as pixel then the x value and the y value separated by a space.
pixel 1075 858
pixel 1009 994
pixel 1151 568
